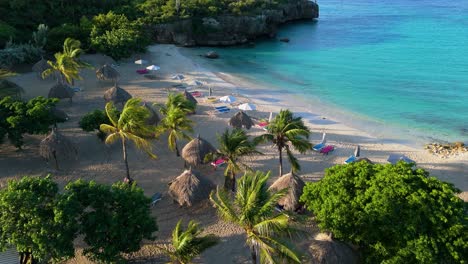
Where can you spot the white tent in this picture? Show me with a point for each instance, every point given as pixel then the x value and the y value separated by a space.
pixel 178 77
pixel 227 99
pixel 141 62
pixel 153 68
pixel 247 107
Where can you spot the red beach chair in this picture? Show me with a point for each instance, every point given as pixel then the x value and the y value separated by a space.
pixel 197 94
pixel 327 149
pixel 142 71
pixel 217 163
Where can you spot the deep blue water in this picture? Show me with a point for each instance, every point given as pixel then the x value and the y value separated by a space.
pixel 400 64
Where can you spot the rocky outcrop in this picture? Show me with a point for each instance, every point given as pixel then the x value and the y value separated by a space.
pixel 231 30
pixel 447 150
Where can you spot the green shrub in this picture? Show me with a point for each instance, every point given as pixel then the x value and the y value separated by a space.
pixel 19 53
pixel 91 122
pixel 116 36
pixel 394 213
pixel 7 32
pixel 57 35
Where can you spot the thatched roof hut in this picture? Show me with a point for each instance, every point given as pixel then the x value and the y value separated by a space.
pixel 61 91
pixel 195 151
pixel 325 250
pixel 9 88
pixel 59 114
pixel 40 66
pixel 295 185
pixel 190 97
pixel 154 119
pixel 117 95
pixel 240 120
pixel 56 145
pixel 107 73
pixel 189 188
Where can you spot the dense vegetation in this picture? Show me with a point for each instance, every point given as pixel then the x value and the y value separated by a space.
pixel 42 223
pixel 394 213
pixel 115 27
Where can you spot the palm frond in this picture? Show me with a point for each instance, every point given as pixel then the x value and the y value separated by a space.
pixel 110 139
pixel 293 160
pixel 142 144
pixel 108 129
pixel 225 208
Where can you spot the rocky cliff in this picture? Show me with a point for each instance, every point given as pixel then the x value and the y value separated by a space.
pixel 232 30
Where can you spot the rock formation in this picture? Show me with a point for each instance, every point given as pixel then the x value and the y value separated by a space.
pixel 229 30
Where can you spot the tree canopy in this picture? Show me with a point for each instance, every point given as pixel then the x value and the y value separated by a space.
pixel 394 213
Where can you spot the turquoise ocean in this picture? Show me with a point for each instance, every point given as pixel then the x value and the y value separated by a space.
pixel 399 67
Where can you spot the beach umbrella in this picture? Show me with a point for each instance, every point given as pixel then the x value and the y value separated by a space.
pixel 107 73
pixel 9 88
pixel 40 66
pixel 210 91
pixel 140 62
pixel 58 114
pixel 247 107
pixel 189 188
pixel 394 158
pixel 117 95
pixel 61 91
pixel 357 151
pixel 178 77
pixel 195 83
pixel 56 145
pixel 190 97
pixel 240 120
pixel 153 68
pixel 153 119
pixel 227 99
pixel 294 184
pixel 324 250
pixel 195 151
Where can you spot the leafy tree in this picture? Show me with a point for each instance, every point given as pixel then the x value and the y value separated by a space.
pixel 176 123
pixel 177 101
pixel 93 120
pixel 188 244
pixel 32 117
pixel 234 145
pixel 394 213
pixel 32 222
pixel 286 132
pixel 114 35
pixel 253 210
pixel 129 126
pixel 112 219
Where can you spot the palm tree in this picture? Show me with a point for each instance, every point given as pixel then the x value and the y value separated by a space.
pixel 67 63
pixel 178 101
pixel 286 131
pixel 130 125
pixel 253 209
pixel 232 146
pixel 188 244
pixel 176 123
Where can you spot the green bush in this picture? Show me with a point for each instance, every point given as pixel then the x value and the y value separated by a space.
pixel 19 53
pixel 91 122
pixel 7 32
pixel 114 35
pixel 394 213
pixel 57 35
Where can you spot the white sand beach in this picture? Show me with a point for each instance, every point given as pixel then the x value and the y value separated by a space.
pixel 96 161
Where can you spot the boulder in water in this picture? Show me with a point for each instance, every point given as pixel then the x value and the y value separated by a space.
pixel 212 55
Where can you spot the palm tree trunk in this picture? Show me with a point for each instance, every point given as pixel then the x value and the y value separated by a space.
pixel 176 149
pixel 253 253
pixel 124 148
pixel 55 159
pixel 233 181
pixel 280 150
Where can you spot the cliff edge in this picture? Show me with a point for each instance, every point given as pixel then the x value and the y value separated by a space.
pixel 229 30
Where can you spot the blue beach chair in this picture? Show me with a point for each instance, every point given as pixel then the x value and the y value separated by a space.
pixel 322 144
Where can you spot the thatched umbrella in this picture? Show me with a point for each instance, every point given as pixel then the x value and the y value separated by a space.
pixel 195 151
pixel 55 145
pixel 240 120
pixel 59 114
pixel 294 184
pixel 154 119
pixel 190 97
pixel 61 91
pixel 189 188
pixel 325 250
pixel 117 95
pixel 40 67
pixel 9 88
pixel 107 73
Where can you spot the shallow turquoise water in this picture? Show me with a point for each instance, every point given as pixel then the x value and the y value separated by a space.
pixel 401 64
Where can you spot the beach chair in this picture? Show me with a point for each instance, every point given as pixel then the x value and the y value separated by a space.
pixel 156 198
pixel 350 159
pixel 142 71
pixel 223 110
pixel 218 163
pixel 221 107
pixel 327 149
pixel 321 145
pixel 355 156
pixel 197 94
